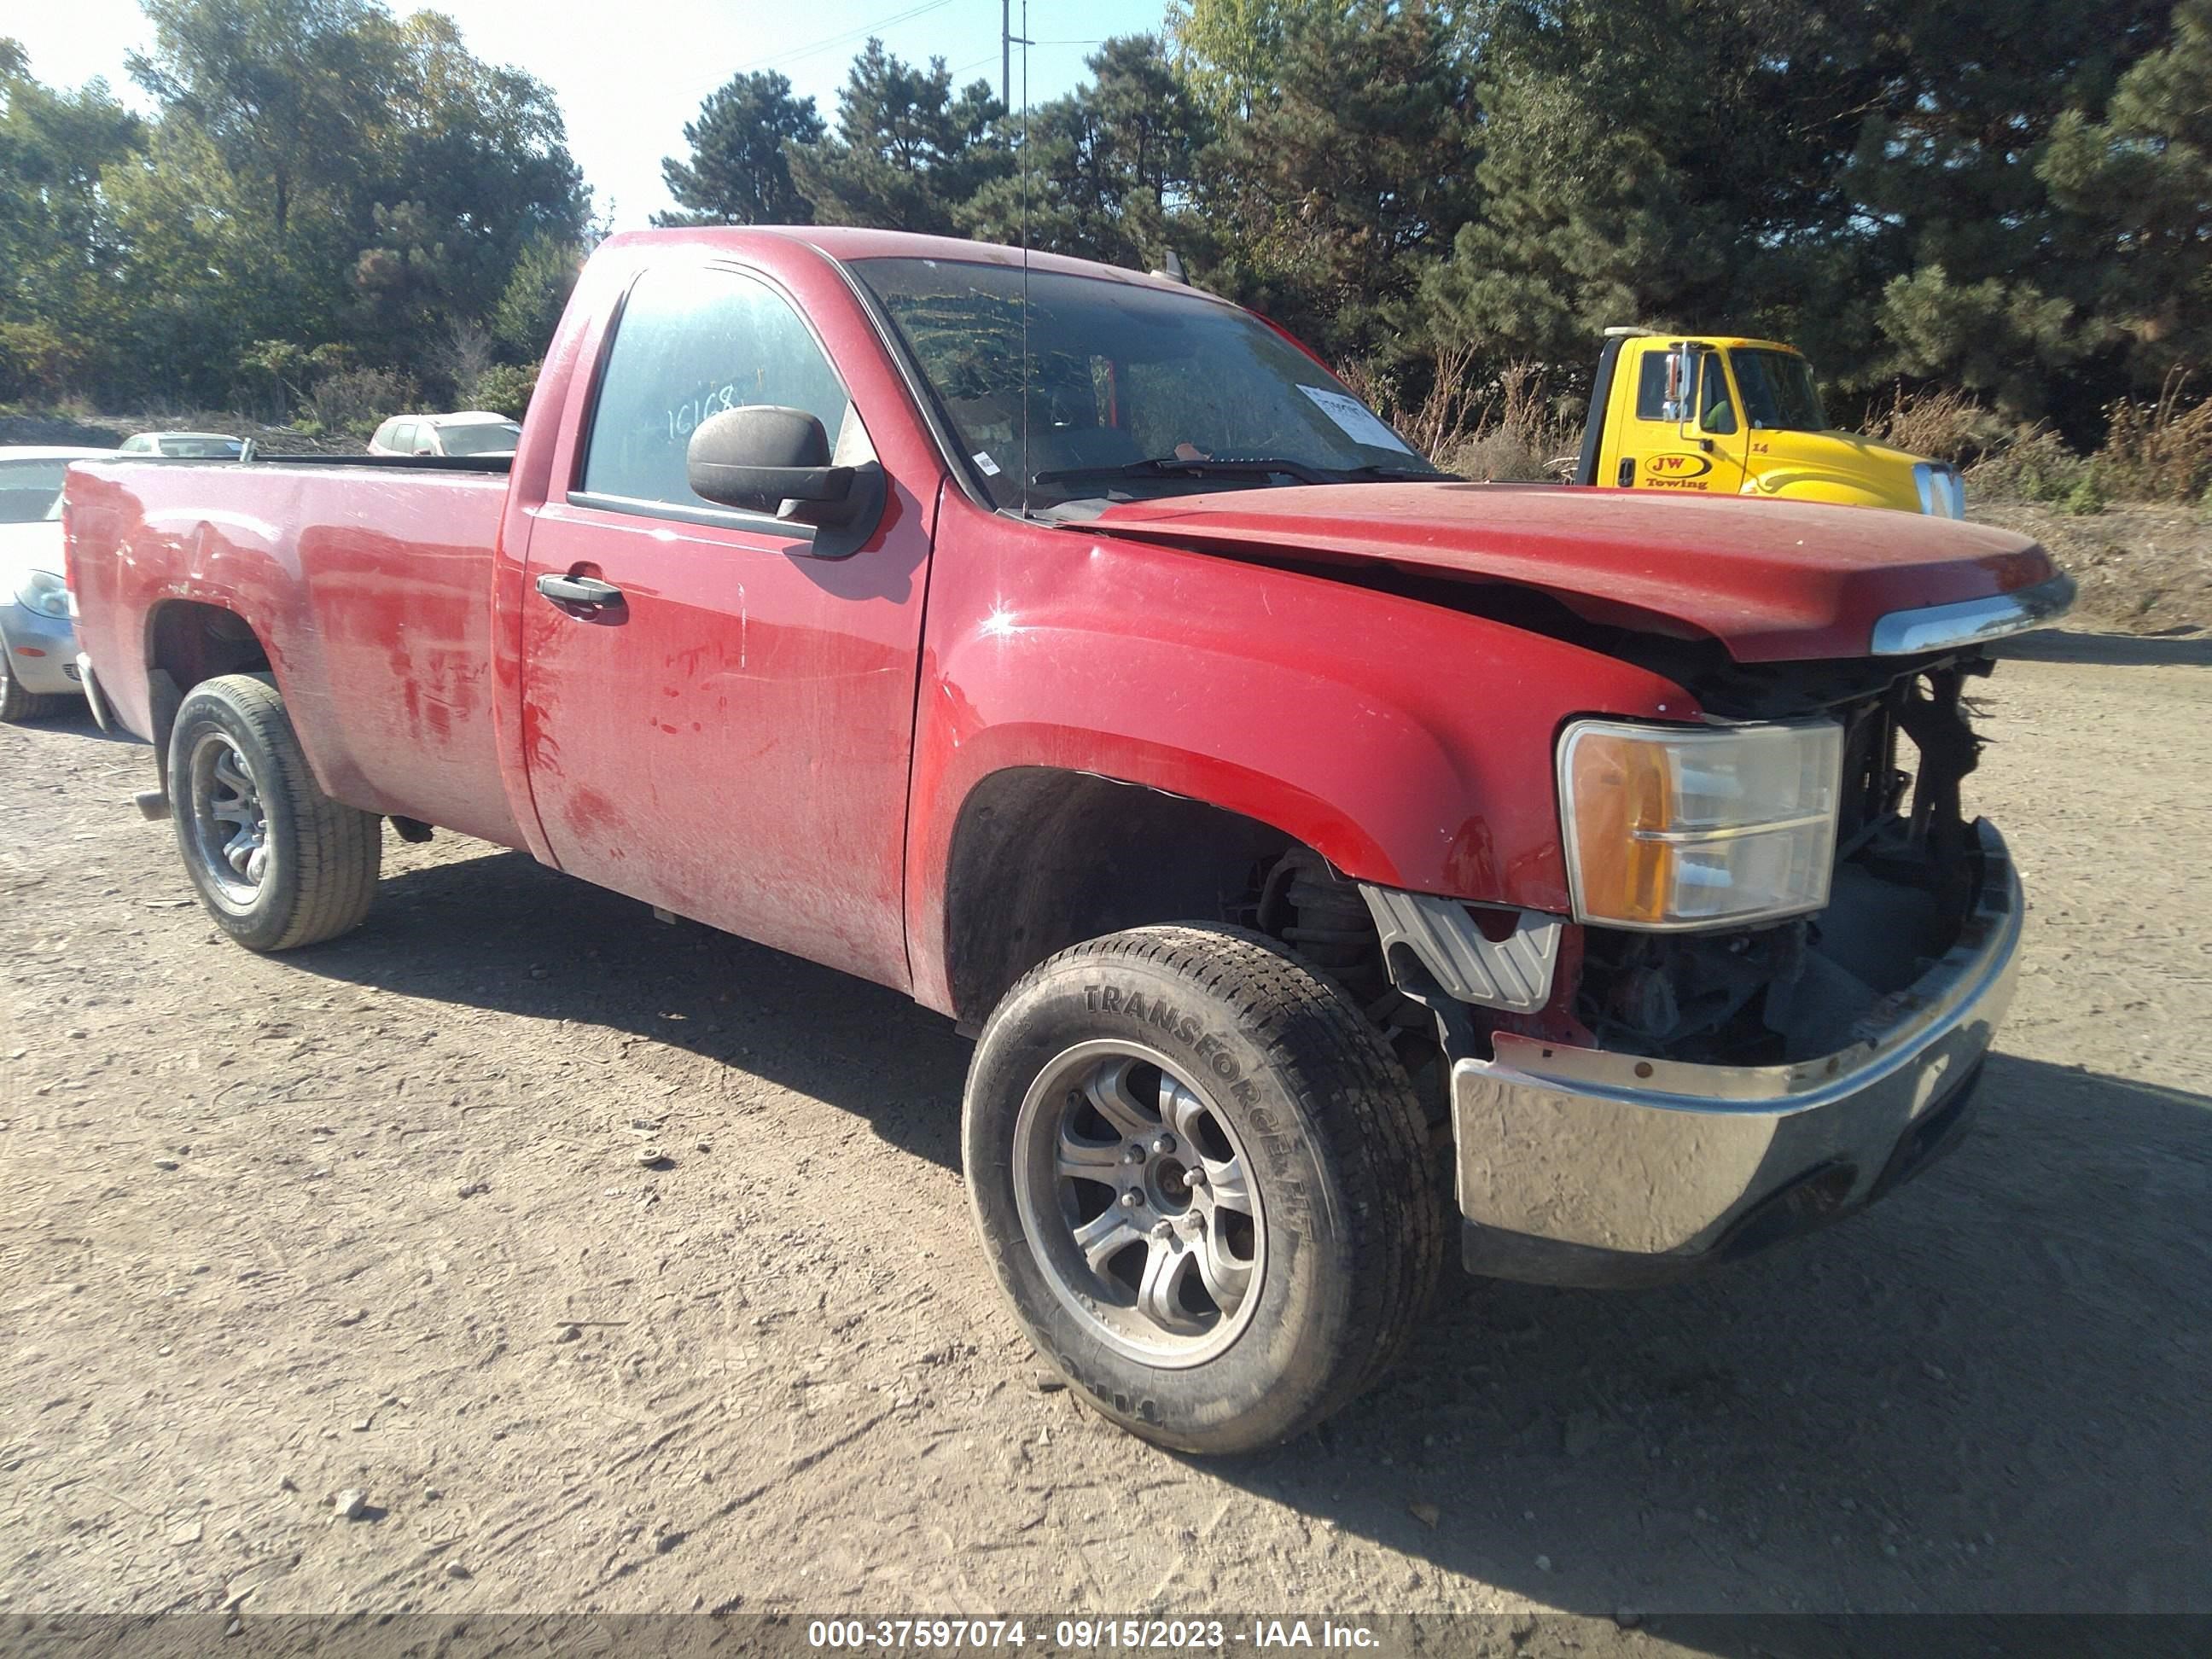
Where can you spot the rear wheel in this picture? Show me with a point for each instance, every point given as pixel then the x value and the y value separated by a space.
pixel 275 861
pixel 1200 1176
pixel 17 705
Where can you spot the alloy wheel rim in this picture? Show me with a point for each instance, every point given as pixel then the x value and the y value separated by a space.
pixel 1140 1204
pixel 230 821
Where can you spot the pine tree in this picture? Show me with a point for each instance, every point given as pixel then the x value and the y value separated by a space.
pixel 740 172
pixel 2141 178
pixel 908 149
pixel 1111 166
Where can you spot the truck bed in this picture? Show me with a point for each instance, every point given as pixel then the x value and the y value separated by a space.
pixel 355 571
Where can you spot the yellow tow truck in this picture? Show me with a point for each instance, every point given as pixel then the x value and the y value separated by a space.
pixel 1723 416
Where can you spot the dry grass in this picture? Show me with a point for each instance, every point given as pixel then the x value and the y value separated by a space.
pixel 1518 433
pixel 2158 452
pixel 1942 422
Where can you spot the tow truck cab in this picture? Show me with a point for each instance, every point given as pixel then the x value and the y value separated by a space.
pixel 1724 414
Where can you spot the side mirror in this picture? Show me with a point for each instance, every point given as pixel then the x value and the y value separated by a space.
pixel 1681 384
pixel 760 456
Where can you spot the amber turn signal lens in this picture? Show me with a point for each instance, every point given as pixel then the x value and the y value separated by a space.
pixel 1675 827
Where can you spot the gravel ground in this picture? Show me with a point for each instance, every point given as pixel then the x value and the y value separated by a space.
pixel 370 1218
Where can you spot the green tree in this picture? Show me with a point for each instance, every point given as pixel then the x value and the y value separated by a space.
pixel 289 93
pixel 321 171
pixel 740 172
pixel 1232 53
pixel 1111 167
pixel 1357 169
pixel 535 295
pixel 57 247
pixel 908 149
pixel 2140 178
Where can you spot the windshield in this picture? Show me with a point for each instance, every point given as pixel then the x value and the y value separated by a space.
pixel 1133 390
pixel 1778 393
pixel 205 449
pixel 495 440
pixel 31 490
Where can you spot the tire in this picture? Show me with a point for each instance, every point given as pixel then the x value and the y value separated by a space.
pixel 278 863
pixel 1313 1289
pixel 17 705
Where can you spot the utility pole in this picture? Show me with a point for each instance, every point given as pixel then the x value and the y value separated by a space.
pixel 1006 53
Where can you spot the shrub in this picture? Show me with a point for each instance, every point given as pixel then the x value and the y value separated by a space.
pixel 36 362
pixel 1942 422
pixel 2158 452
pixel 1518 434
pixel 2085 498
pixel 2034 465
pixel 505 389
pixel 353 400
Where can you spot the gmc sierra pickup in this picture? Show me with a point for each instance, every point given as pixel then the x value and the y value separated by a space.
pixel 1314 843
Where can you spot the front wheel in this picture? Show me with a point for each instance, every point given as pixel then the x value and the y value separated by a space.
pixel 1200 1175
pixel 276 862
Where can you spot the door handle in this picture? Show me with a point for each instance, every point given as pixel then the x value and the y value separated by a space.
pixel 586 591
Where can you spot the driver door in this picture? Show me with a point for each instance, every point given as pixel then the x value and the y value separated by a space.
pixel 1683 432
pixel 728 736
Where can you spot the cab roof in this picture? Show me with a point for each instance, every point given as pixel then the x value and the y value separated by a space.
pixel 848 243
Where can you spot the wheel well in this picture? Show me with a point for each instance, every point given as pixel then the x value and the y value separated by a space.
pixel 187 642
pixel 1043 858
pixel 190 641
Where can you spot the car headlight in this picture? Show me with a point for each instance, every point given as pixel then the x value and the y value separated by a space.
pixel 1676 828
pixel 1942 492
pixel 45 592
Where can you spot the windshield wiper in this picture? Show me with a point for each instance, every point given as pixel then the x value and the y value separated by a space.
pixel 1401 475
pixel 1170 466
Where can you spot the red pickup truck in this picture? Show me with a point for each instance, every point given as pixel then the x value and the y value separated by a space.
pixel 1315 843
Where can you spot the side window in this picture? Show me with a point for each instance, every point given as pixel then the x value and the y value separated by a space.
pixel 1707 392
pixel 1716 412
pixel 692 343
pixel 1651 386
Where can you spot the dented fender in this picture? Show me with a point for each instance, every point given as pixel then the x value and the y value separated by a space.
pixel 1409 744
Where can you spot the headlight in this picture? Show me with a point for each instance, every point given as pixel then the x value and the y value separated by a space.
pixel 1942 492
pixel 1670 828
pixel 45 592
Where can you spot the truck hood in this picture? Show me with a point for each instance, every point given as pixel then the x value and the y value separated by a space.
pixel 1794 457
pixel 1772 580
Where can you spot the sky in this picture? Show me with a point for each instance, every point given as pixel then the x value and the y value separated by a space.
pixel 629 77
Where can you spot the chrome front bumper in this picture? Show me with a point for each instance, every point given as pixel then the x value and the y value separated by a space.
pixel 1579 1167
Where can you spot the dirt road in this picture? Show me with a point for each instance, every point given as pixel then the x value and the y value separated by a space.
pixel 371 1217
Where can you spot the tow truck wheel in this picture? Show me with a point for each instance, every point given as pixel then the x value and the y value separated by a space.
pixel 275 861
pixel 1200 1176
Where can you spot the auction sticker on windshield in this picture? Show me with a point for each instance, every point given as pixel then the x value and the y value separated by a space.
pixel 1358 422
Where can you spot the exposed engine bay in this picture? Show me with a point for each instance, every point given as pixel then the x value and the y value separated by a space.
pixel 1904 880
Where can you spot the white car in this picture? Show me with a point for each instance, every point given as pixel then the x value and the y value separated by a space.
pixel 196 445
pixel 471 431
pixel 37 641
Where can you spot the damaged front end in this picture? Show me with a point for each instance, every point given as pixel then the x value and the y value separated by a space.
pixel 1653 1087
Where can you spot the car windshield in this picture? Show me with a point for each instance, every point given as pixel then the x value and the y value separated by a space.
pixel 1131 390
pixel 31 490
pixel 1778 393
pixel 205 449
pixel 489 437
